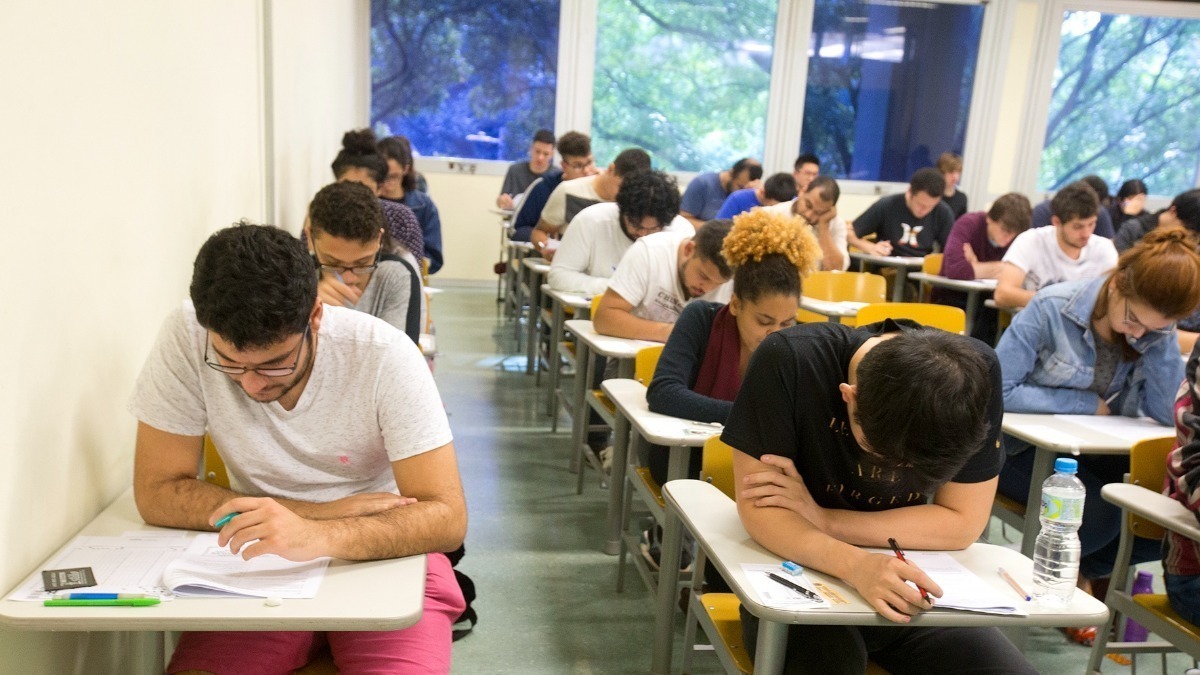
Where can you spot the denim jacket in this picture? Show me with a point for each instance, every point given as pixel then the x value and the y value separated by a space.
pixel 1048 360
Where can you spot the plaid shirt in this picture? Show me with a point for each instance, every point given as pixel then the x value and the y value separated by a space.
pixel 1181 555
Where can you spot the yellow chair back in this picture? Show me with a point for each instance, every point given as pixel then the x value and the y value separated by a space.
pixel 838 286
pixel 214 467
pixel 595 304
pixel 716 465
pixel 951 319
pixel 1148 468
pixel 645 362
pixel 932 264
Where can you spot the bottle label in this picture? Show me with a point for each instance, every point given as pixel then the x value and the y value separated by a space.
pixel 1062 509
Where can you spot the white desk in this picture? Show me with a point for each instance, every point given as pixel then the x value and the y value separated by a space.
pixel 588 345
pixel 831 309
pixel 515 252
pixel 975 290
pixel 534 270
pixel 375 595
pixel 1073 435
pixel 902 264
pixel 581 308
pixel 712 518
pixel 633 414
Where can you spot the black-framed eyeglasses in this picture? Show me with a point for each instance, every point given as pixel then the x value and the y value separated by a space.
pixel 1132 320
pixel 279 371
pixel 637 228
pixel 339 270
pixel 580 165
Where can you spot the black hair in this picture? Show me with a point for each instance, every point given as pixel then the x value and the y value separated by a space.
pixel 928 180
pixel 1012 211
pixel 1130 188
pixel 652 194
pixel 399 149
pixel 254 285
pixel 806 158
pixel 359 151
pixel 709 239
pixel 747 164
pixel 1187 208
pixel 780 186
pixel 631 161
pixel 774 274
pixel 1076 200
pixel 1098 185
pixel 946 387
pixel 347 211
pixel 574 144
pixel 543 136
pixel 830 191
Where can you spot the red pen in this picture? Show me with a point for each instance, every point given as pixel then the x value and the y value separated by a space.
pixel 900 555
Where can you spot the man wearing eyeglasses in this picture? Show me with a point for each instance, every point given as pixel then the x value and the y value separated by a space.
pixel 333 434
pixel 577 162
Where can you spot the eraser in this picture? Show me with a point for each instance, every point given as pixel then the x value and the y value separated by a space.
pixel 792 568
pixel 273 602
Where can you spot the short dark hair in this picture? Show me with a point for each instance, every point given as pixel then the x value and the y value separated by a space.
pixel 747 164
pixel 359 151
pixel 652 194
pixel 1187 208
pixel 806 158
pixel 347 211
pixel 1131 188
pixel 830 191
pixel 1012 211
pixel 543 136
pixel 1098 185
pixel 780 186
pixel 1076 200
pixel 773 274
pixel 928 180
pixel 945 384
pixel 254 285
pixel 631 161
pixel 709 239
pixel 574 144
pixel 399 149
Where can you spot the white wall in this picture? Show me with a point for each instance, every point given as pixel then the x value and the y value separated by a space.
pixel 130 130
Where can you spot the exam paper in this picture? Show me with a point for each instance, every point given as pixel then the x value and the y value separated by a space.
pixel 131 563
pixel 207 569
pixel 961 588
pixel 777 596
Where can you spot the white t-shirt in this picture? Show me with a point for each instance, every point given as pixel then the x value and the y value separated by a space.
pixel 837 229
pixel 592 248
pixel 1036 253
pixel 563 203
pixel 648 278
pixel 369 401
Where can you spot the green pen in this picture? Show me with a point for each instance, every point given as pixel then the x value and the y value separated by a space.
pixel 118 602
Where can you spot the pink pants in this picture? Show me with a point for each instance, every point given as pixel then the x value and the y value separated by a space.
pixel 423 648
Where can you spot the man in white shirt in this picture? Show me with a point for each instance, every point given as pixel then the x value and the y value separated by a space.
pixel 1067 251
pixel 648 202
pixel 818 206
pixel 573 196
pixel 658 275
pixel 331 429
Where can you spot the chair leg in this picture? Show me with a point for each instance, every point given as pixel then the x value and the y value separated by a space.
pixel 691 619
pixel 626 507
pixel 1120 583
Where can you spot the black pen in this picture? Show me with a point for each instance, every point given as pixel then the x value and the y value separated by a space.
pixel 795 587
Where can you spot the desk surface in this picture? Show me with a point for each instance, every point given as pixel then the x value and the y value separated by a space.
pixel 831 307
pixel 910 262
pixel 537 265
pixel 1088 434
pixel 630 398
pixel 523 246
pixel 567 299
pixel 606 345
pixel 376 595
pixel 712 517
pixel 978 285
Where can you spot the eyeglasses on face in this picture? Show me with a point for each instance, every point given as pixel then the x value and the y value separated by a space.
pixel 360 271
pixel 275 371
pixel 1132 320
pixel 579 165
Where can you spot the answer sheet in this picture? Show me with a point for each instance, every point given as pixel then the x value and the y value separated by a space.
pixel 962 588
pixel 131 563
pixel 207 569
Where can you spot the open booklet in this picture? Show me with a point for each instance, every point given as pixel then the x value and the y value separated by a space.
pixel 207 569
pixel 962 589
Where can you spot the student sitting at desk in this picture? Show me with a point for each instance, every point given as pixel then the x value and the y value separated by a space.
pixel 360 162
pixel 324 416
pixel 915 223
pixel 847 437
pixel 1106 347
pixel 1181 556
pixel 660 274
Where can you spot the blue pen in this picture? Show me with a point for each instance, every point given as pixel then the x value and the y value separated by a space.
pixel 102 596
pixel 225 520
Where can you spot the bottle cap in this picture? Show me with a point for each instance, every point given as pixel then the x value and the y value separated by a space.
pixel 1065 465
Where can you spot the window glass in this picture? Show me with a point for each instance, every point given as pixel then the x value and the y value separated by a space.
pixel 685 79
pixel 889 85
pixel 464 79
pixel 1126 102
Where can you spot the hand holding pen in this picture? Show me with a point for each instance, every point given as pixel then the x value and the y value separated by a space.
pixel 883 581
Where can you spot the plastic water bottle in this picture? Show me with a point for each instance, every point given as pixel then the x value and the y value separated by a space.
pixel 1056 551
pixel 1143 583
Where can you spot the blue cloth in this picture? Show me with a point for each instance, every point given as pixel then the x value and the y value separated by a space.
pixel 1048 358
pixel 1104 223
pixel 1184 593
pixel 703 196
pixel 431 225
pixel 530 211
pixel 740 201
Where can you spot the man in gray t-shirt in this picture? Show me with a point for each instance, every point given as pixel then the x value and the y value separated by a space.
pixel 330 426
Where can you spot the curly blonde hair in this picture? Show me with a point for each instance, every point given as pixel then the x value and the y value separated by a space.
pixel 760 233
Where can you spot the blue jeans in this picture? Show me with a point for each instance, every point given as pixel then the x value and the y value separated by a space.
pixel 1184 594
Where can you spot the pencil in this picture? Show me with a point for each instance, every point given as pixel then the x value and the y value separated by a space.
pixel 1013 582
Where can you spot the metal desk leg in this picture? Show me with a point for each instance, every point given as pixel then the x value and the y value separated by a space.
pixel 668 580
pixel 771 649
pixel 556 330
pixel 584 413
pixel 973 300
pixel 531 326
pixel 625 369
pixel 1043 466
pixel 901 281
pixel 579 416
pixel 616 483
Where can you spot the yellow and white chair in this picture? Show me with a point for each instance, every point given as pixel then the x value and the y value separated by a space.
pixel 837 286
pixel 945 317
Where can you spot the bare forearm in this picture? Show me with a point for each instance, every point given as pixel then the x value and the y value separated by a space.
pixel 987 270
pixel 831 256
pixel 423 527
pixel 924 526
pixel 625 325
pixel 182 502
pixel 1009 297
pixel 792 537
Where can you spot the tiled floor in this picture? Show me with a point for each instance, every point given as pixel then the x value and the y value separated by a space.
pixel 547 599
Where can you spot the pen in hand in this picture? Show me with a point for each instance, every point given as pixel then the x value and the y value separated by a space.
pixel 900 554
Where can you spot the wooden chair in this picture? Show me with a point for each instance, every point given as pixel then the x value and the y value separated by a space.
pixel 951 319
pixel 1147 513
pixel 840 286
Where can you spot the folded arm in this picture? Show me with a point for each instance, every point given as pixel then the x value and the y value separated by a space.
pixel 615 317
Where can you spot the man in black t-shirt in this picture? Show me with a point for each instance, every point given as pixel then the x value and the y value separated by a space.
pixel 847 437
pixel 915 223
